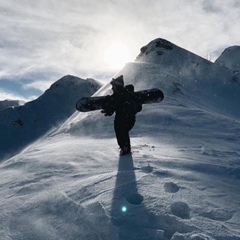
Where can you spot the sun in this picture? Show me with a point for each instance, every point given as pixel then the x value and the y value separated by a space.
pixel 116 55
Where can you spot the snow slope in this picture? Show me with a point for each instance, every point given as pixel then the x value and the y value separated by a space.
pixel 180 183
pixel 24 124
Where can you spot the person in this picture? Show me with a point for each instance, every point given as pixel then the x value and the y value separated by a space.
pixel 125 104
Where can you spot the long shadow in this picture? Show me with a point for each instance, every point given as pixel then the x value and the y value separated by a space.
pixel 130 219
pixel 128 215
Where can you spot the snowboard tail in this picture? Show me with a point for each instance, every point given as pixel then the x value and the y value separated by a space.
pixel 153 95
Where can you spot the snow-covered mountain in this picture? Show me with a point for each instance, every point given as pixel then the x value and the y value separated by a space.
pixel 180 183
pixel 23 124
pixel 195 76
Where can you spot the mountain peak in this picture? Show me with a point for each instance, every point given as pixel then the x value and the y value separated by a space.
pixel 67 81
pixel 158 46
pixel 161 51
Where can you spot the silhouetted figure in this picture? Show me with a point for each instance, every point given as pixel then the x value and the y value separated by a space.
pixel 125 105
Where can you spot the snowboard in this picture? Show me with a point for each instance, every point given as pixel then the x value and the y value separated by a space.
pixel 86 104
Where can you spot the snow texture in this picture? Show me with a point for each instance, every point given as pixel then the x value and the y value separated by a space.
pixel 181 181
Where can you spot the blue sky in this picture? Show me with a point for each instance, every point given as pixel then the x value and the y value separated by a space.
pixel 43 40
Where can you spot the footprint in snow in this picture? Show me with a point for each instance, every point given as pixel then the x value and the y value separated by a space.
pixel 135 199
pixel 171 187
pixel 180 209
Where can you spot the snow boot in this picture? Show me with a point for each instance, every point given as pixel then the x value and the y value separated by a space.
pixel 125 151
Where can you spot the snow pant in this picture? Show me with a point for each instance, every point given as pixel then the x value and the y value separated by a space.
pixel 122 126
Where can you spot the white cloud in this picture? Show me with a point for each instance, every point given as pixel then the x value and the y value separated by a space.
pixel 41 85
pixel 5 95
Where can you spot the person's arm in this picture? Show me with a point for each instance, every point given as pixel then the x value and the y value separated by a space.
pixel 109 108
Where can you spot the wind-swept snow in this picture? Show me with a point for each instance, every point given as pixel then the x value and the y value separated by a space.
pixel 180 183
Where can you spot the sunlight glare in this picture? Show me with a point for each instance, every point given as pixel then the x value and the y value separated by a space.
pixel 124 209
pixel 116 55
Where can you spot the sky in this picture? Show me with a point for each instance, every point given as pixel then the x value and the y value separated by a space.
pixel 44 40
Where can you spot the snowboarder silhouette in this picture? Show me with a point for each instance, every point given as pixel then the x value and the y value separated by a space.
pixel 125 105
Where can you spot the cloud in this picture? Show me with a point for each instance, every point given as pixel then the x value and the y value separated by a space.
pixel 70 37
pixel 5 95
pixel 220 6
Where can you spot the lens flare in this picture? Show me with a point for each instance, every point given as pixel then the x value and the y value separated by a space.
pixel 124 209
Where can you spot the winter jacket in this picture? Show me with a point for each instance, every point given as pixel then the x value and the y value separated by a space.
pixel 124 104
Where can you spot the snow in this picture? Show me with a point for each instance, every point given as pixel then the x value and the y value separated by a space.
pixel 180 183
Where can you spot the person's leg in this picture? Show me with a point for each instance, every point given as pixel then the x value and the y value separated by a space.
pixel 128 126
pixel 120 132
pixel 122 129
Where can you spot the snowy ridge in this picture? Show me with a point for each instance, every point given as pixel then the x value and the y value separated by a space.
pixel 180 183
pixel 195 76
